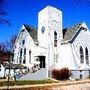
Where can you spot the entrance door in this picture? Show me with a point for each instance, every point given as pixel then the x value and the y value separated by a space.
pixel 42 61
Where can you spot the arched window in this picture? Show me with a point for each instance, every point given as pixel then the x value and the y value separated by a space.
pixel 23 42
pixel 29 56
pixel 55 39
pixel 81 55
pixel 55 58
pixel 20 56
pixel 0 67
pixel 24 60
pixel 24 51
pixel 86 55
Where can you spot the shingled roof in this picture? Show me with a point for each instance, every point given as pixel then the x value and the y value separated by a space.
pixel 68 33
pixel 32 31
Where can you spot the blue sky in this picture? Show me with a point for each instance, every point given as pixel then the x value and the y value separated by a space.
pixel 26 12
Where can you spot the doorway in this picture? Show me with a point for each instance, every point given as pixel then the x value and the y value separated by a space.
pixel 42 61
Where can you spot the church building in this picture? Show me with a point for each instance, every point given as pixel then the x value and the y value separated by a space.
pixel 50 46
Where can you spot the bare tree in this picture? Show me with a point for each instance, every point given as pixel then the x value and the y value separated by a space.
pixel 7 48
pixel 3 47
pixel 10 44
pixel 4 55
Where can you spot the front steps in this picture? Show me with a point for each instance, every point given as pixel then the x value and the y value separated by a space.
pixel 38 75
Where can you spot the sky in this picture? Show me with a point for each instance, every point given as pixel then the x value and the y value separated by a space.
pixel 26 12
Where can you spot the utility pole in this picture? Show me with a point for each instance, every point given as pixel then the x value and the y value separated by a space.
pixel 8 75
pixel 10 58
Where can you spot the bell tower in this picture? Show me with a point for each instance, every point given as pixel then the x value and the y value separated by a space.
pixel 50 31
pixel 49 22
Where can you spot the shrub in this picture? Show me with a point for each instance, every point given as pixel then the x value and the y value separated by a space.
pixel 61 74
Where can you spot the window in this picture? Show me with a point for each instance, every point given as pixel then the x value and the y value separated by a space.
pixel 55 35
pixel 81 74
pixel 29 56
pixel 89 73
pixel 24 60
pixel 24 51
pixel 43 29
pixel 55 58
pixel 23 42
pixel 86 56
pixel 20 56
pixel 0 67
pixel 55 39
pixel 81 55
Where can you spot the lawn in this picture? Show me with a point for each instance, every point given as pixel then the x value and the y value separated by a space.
pixel 25 82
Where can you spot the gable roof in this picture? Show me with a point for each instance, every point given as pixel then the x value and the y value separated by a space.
pixel 68 33
pixel 32 31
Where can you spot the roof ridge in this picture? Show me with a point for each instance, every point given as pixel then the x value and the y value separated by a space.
pixel 75 25
pixel 30 26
